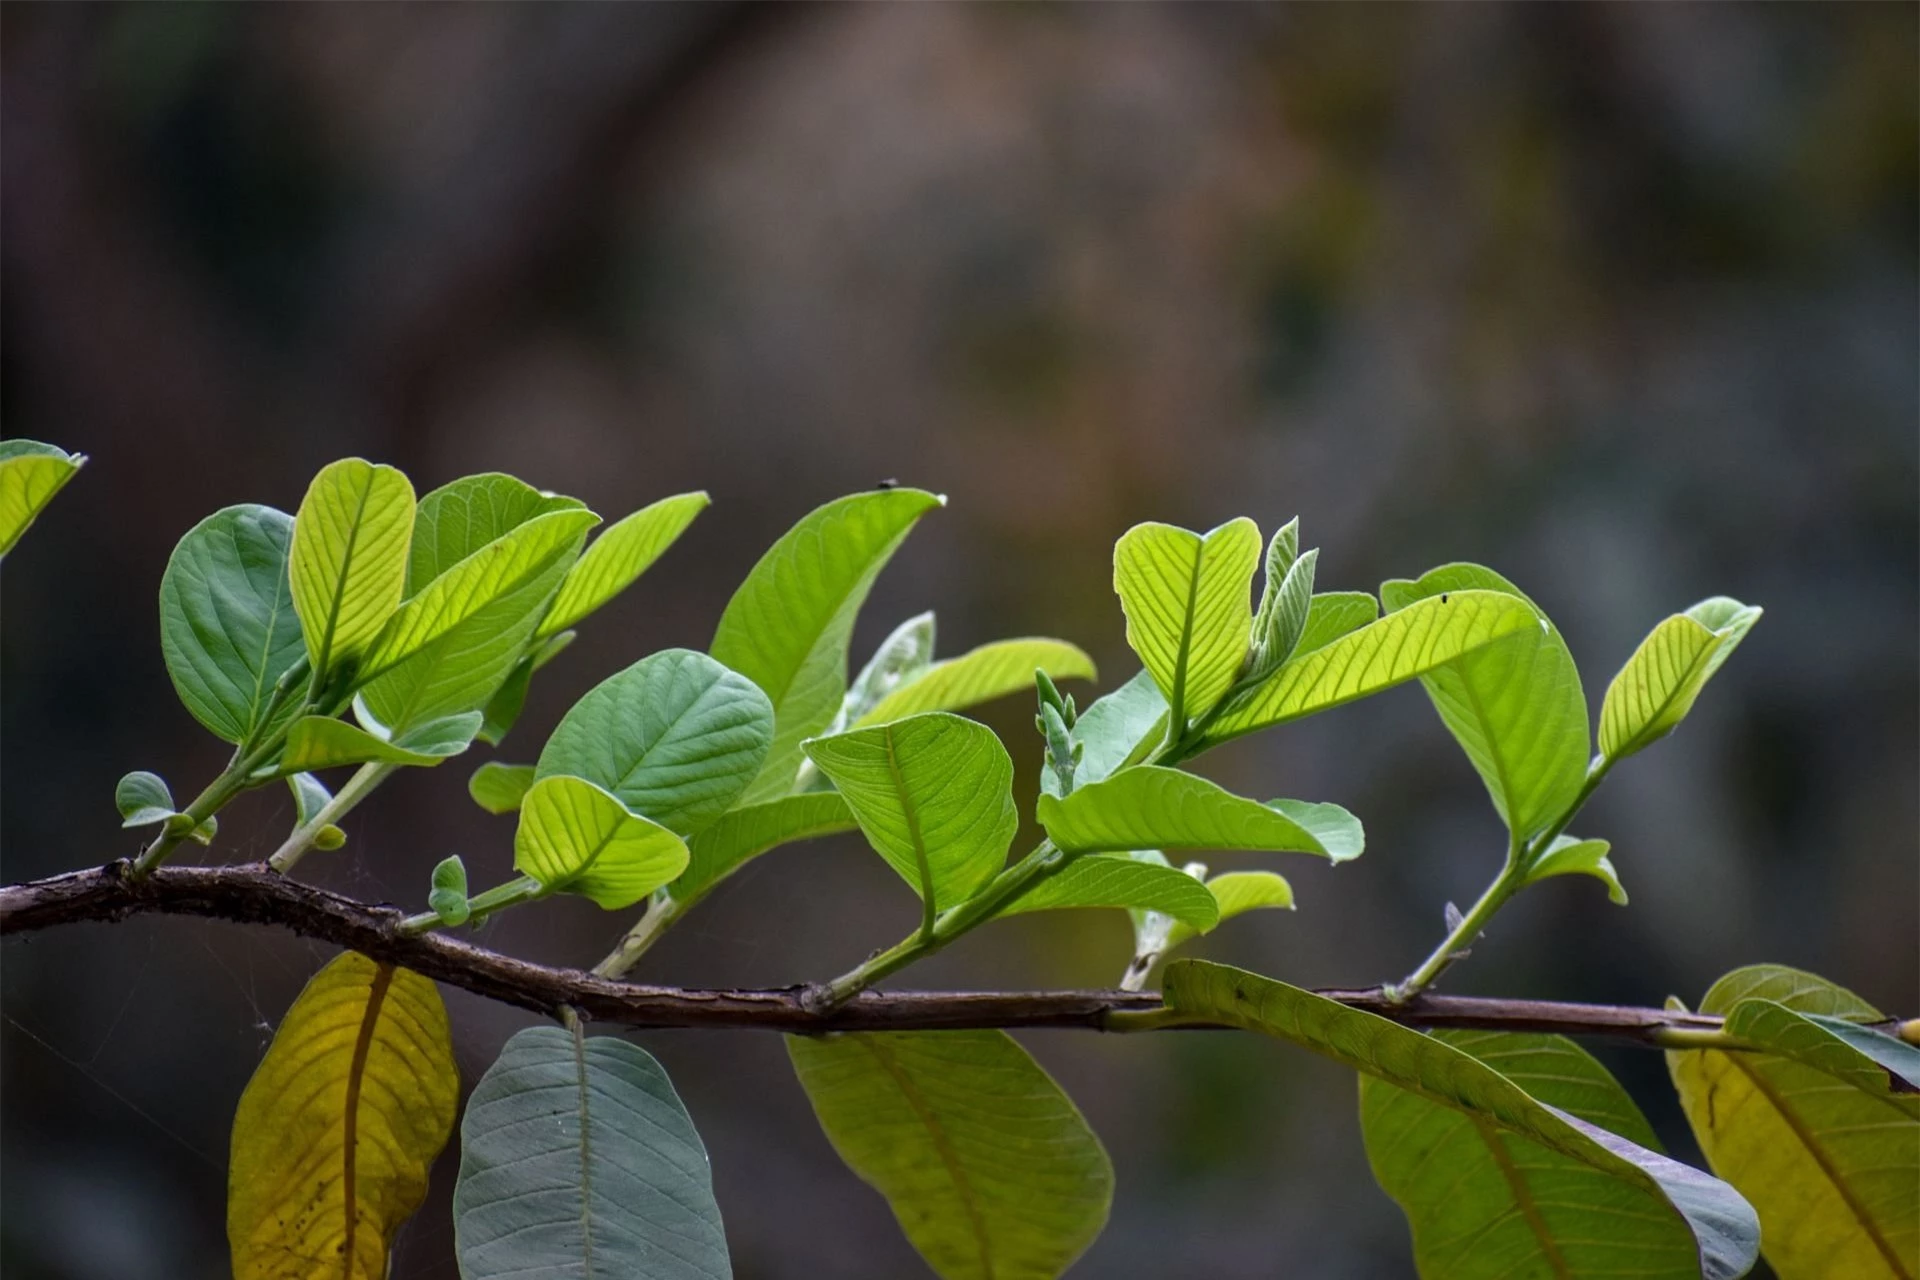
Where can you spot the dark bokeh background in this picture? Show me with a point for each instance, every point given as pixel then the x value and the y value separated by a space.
pixel 1619 299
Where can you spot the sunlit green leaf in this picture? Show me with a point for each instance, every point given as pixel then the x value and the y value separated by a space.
pixel 577 1159
pixel 1832 1167
pixel 316 742
pixel 618 556
pixel 1685 1223
pixel 504 707
pixel 576 838
pixel 1378 656
pixel 751 830
pixel 1114 730
pixel 787 627
pixel 980 675
pixel 227 627
pixel 31 473
pixel 1151 807
pixel 143 799
pixel 1236 893
pixel 499 788
pixel 1655 690
pixel 1567 856
pixel 1284 604
pixel 457 519
pixel 348 565
pixel 1104 880
pixel 676 736
pixel 1333 614
pixel 1515 706
pixel 1189 608
pixel 934 795
pixel 989 1167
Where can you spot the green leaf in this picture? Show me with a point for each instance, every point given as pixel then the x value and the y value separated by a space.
pixel 31 473
pixel 1691 1223
pixel 1125 722
pixel 1875 1064
pixel 934 795
pixel 1567 856
pixel 339 1125
pixel 903 655
pixel 1189 608
pixel 1378 656
pixel 1106 880
pixel 459 518
pixel 675 736
pixel 751 830
pixel 619 556
pixel 448 897
pixel 310 796
pixel 1152 807
pixel 1282 616
pixel 143 799
pixel 576 838
pixel 989 1167
pixel 981 675
pixel 1487 1202
pixel 1236 893
pixel 348 565
pixel 787 627
pixel 1655 690
pixel 1333 614
pixel 316 742
pixel 1515 706
pixel 499 570
pixel 499 788
pixel 227 627
pixel 577 1158
pixel 510 699
pixel 1833 1169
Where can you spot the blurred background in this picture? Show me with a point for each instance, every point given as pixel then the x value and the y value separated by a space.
pixel 1619 299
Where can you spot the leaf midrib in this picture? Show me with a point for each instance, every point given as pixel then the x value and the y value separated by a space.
pixel 340 583
pixel 350 1125
pixel 1522 1194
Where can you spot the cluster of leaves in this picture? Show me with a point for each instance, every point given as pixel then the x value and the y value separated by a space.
pixel 423 622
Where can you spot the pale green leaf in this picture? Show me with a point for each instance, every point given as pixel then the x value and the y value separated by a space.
pixel 1691 1224
pixel 143 799
pixel 751 830
pixel 934 795
pixel 499 788
pixel 576 838
pixel 1486 1203
pixel 227 627
pixel 1114 730
pixel 578 1160
pixel 1236 893
pixel 1333 614
pixel 1282 616
pixel 676 736
pixel 989 1167
pixel 317 742
pixel 981 675
pixel 1833 1169
pixel 1515 706
pixel 787 627
pixel 1152 807
pixel 457 519
pixel 310 796
pixel 31 473
pixel 904 654
pixel 1378 656
pixel 510 699
pixel 1105 880
pixel 1189 607
pixel 1567 856
pixel 348 565
pixel 618 556
pixel 1655 690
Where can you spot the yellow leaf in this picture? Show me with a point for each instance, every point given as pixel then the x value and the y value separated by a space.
pixel 337 1128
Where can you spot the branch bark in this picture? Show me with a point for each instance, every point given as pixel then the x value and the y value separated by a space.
pixel 256 895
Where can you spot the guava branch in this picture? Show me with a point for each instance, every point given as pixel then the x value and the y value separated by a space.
pixel 257 895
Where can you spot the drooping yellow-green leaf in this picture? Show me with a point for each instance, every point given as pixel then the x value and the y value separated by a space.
pixel 618 556
pixel 989 1167
pixel 981 675
pixel 339 1125
pixel 786 628
pixel 1655 690
pixel 349 561
pixel 31 473
pixel 751 830
pixel 934 795
pixel 1154 807
pixel 1189 606
pixel 1832 1167
pixel 1236 893
pixel 1110 880
pixel 1686 1223
pixel 1397 648
pixel 576 838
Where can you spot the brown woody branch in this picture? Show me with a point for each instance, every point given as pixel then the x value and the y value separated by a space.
pixel 256 895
